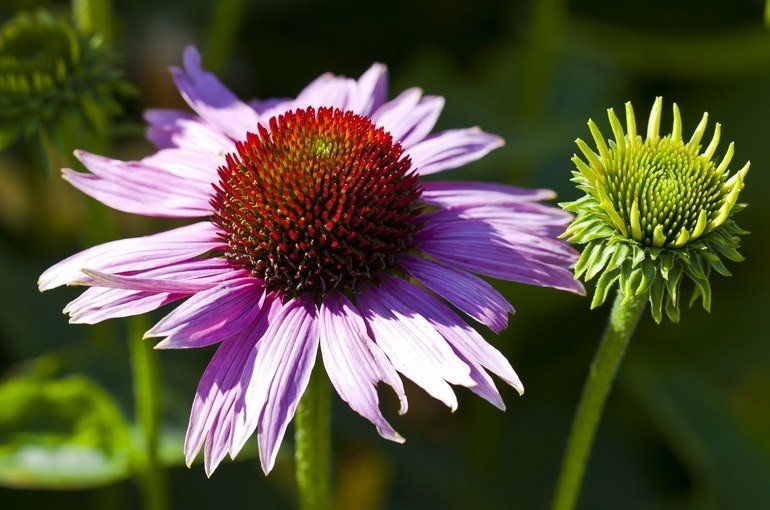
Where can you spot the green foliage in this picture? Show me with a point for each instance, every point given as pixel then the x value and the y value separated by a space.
pixel 55 79
pixel 60 434
pixel 655 210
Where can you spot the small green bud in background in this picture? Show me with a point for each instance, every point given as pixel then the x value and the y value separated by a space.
pixel 656 210
pixel 55 83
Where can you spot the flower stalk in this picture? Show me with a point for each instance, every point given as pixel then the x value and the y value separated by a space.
pixel 147 403
pixel 312 443
pixel 624 316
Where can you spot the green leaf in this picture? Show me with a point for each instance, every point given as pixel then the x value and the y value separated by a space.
pixel 60 434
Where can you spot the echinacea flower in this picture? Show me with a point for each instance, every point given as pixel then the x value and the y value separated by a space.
pixel 317 232
pixel 656 209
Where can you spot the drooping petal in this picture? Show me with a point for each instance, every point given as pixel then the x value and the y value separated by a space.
pixel 135 254
pixel 211 99
pixel 451 149
pixel 282 368
pixel 463 338
pixel 220 388
pixel 479 247
pixel 100 303
pixel 544 221
pixel 469 293
pixel 174 129
pixel 499 225
pixel 355 363
pixel 413 345
pixel 141 188
pixel 460 194
pixel 210 316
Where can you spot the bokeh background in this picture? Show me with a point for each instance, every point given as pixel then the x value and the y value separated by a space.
pixel 688 423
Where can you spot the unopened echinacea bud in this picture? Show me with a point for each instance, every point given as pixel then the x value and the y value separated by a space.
pixel 54 79
pixel 657 209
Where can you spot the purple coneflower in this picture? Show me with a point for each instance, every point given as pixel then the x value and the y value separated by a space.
pixel 316 231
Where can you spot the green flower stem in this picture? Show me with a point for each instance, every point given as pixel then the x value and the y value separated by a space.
pixel 92 16
pixel 312 443
pixel 767 13
pixel 147 403
pixel 227 18
pixel 622 322
pixel 546 27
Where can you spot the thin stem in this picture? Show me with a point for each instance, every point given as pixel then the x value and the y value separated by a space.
pixel 91 16
pixel 312 443
pixel 548 19
pixel 622 322
pixel 146 375
pixel 227 18
pixel 767 13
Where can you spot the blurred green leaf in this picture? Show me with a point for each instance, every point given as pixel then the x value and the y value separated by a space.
pixel 694 415
pixel 60 434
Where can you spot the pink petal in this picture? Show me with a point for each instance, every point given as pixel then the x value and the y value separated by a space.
pixel 141 188
pixel 328 90
pixel 463 338
pixel 219 389
pixel 172 129
pixel 409 117
pixel 355 363
pixel 372 90
pixel 451 149
pixel 413 345
pixel 459 194
pixel 135 254
pixel 470 294
pixel 99 303
pixel 282 367
pixel 211 99
pixel 479 247
pixel 210 316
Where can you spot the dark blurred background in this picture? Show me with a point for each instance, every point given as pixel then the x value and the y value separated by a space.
pixel 688 423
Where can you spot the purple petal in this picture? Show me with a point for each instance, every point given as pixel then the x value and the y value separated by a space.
pixel 413 345
pixel 211 99
pixel 262 106
pixel 493 224
pixel 463 338
pixel 282 367
pixel 470 294
pixel 544 221
pixel 479 247
pixel 328 90
pixel 372 90
pixel 409 117
pixel 356 364
pixel 451 149
pixel 99 279
pixel 98 303
pixel 171 129
pixel 210 316
pixel 135 254
pixel 460 194
pixel 139 187
pixel 218 391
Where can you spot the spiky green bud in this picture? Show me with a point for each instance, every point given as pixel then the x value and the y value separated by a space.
pixel 656 210
pixel 54 78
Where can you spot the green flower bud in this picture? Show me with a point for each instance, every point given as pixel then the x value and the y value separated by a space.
pixel 54 78
pixel 656 210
